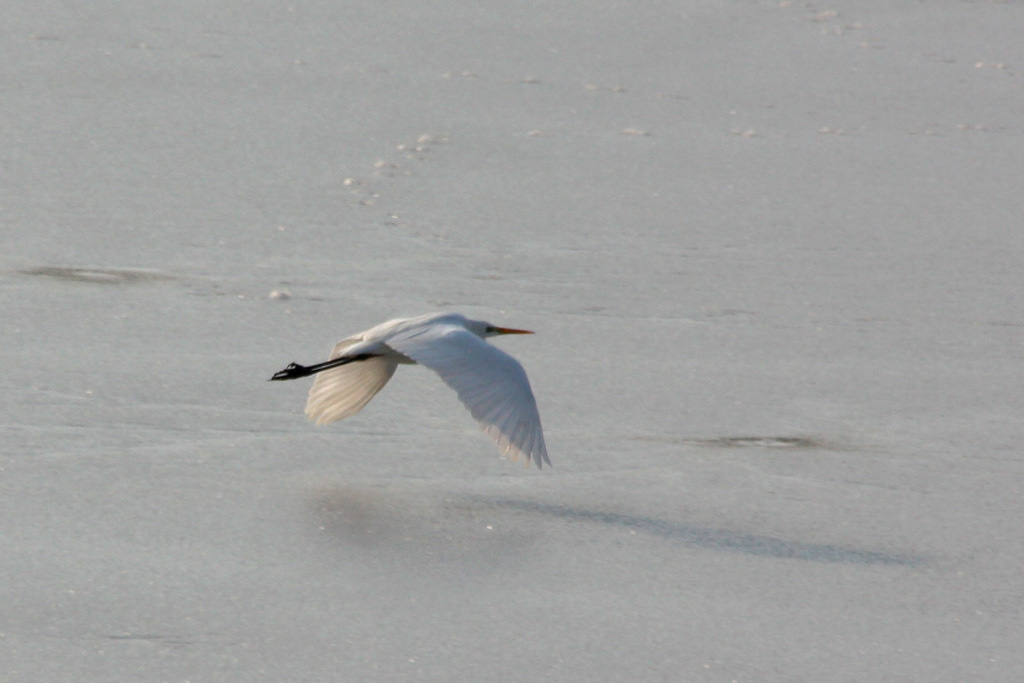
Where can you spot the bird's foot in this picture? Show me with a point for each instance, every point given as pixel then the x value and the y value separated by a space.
pixel 293 371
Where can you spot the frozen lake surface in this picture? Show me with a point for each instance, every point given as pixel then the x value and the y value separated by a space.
pixel 772 253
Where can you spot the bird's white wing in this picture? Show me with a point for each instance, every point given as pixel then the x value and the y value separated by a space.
pixel 344 390
pixel 491 383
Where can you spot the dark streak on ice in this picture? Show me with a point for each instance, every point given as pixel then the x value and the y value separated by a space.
pixel 718 539
pixel 99 276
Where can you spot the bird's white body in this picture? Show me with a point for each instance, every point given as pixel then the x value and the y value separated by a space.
pixel 491 383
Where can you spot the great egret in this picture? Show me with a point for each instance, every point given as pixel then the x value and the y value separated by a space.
pixel 491 383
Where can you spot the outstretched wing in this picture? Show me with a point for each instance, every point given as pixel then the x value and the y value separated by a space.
pixel 491 383
pixel 343 391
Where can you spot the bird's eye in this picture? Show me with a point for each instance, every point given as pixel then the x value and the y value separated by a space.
pixel 491 328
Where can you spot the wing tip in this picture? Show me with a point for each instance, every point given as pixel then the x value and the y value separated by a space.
pixel 536 453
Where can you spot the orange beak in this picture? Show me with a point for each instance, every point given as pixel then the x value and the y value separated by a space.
pixel 511 330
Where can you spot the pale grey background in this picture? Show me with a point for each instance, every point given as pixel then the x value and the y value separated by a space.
pixel 772 251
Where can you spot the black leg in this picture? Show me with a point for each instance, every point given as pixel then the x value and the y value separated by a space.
pixel 295 371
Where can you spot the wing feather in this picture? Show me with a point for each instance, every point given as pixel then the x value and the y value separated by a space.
pixel 489 382
pixel 343 391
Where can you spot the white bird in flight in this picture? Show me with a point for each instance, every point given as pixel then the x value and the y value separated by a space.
pixel 489 382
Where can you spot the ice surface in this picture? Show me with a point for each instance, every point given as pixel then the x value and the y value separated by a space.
pixel 772 253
